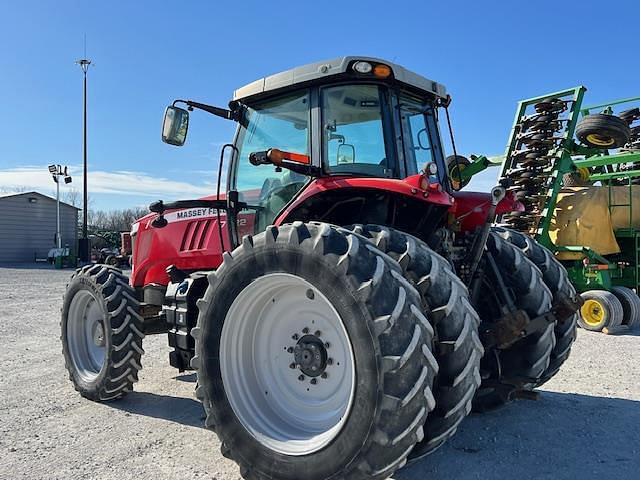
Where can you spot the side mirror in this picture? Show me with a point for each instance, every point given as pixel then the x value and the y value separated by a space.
pixel 175 126
pixel 346 153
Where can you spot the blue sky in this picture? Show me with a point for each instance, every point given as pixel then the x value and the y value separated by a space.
pixel 489 55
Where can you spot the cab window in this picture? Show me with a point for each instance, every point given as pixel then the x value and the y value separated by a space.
pixel 420 135
pixel 352 131
pixel 282 123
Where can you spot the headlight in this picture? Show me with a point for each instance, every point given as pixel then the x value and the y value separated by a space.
pixel 362 67
pixel 431 168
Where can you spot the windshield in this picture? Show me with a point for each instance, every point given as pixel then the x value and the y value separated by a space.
pixel 353 133
pixel 283 124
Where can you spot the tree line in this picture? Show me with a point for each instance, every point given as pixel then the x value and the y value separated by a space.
pixel 106 220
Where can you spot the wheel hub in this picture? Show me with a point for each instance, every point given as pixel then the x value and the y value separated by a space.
pixel 592 312
pixel 86 337
pixel 277 330
pixel 310 355
pixel 98 334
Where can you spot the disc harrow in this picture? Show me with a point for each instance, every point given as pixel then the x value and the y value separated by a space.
pixel 538 135
pixel 632 117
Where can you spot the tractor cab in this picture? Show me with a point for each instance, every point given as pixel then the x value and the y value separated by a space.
pixel 350 117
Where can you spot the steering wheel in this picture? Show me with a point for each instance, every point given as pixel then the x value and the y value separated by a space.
pixel 268 186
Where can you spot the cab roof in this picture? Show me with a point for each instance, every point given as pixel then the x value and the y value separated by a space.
pixel 322 70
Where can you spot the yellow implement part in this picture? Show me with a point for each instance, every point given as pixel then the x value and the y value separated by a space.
pixel 600 140
pixel 592 312
pixel 582 218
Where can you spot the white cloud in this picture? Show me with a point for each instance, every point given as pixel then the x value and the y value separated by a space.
pixel 116 183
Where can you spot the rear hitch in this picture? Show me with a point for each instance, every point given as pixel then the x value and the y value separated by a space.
pixel 564 307
pixel 525 395
pixel 514 326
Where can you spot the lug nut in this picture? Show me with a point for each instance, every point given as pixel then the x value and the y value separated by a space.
pixel 290 349
pixel 292 366
pixel 324 375
pixel 313 381
pixel 327 345
pixel 301 378
pixel 318 333
pixel 305 330
pixel 295 336
pixel 329 361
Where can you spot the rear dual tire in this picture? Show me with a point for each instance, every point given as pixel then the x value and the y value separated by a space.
pixel 390 340
pixel 458 348
pixel 522 365
pixel 556 278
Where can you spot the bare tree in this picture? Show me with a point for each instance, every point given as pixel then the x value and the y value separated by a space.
pixel 115 220
pixel 14 189
pixel 72 197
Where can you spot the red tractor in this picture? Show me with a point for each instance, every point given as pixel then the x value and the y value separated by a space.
pixel 343 306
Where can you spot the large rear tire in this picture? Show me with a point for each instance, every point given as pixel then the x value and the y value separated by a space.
pixel 272 418
pixel 458 348
pixel 556 278
pixel 101 333
pixel 521 365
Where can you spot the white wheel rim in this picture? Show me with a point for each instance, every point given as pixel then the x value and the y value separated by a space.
pixel 282 412
pixel 86 335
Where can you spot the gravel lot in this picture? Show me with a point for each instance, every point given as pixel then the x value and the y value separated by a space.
pixel 586 423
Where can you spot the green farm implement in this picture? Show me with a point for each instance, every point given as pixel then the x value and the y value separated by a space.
pixel 576 171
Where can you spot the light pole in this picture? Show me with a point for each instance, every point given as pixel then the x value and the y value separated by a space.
pixel 83 247
pixel 56 172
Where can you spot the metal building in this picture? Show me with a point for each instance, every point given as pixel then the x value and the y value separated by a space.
pixel 28 226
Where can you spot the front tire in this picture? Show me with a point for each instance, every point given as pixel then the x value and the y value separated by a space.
pixel 389 376
pixel 458 348
pixel 101 333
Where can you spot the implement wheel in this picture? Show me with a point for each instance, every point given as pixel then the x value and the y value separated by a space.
pixel 555 277
pixel 601 309
pixel 603 131
pixel 522 365
pixel 456 322
pixel 630 305
pixel 101 333
pixel 455 165
pixel 314 359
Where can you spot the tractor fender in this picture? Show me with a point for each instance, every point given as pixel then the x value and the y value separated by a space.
pixel 408 186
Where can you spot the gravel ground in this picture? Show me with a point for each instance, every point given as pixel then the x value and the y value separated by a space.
pixel 586 423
